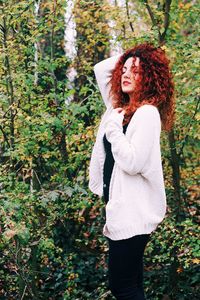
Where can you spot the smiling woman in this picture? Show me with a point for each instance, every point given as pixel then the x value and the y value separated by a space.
pixel 125 166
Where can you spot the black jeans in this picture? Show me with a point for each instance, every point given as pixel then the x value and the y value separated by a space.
pixel 125 267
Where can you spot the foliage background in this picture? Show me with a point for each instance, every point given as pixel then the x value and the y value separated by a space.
pixel 51 243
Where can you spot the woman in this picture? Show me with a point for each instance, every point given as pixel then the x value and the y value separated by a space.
pixel 125 166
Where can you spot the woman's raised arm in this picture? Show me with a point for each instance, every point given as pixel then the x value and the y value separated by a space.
pixel 103 71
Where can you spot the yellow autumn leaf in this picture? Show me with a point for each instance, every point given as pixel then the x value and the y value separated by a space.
pixel 197 117
pixel 187 5
pixel 163 47
pixel 196 261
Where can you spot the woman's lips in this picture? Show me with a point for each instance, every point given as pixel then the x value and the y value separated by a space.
pixel 126 83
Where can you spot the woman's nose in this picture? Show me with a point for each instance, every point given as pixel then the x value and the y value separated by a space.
pixel 127 74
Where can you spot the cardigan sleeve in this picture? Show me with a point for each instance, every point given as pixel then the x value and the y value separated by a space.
pixel 132 154
pixel 95 182
pixel 103 72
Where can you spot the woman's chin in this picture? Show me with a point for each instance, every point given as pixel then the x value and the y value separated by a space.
pixel 127 90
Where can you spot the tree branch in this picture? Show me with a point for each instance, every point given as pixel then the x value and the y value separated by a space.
pixel 128 15
pixel 5 136
pixel 154 22
pixel 9 81
pixel 166 19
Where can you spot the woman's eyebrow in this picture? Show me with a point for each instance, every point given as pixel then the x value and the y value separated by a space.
pixel 135 67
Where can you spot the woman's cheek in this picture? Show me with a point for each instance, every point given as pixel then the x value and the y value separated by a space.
pixel 137 77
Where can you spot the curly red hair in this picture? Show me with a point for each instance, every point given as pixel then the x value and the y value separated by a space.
pixel 154 86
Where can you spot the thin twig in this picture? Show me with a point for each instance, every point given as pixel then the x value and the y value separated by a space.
pixel 128 15
pixel 24 292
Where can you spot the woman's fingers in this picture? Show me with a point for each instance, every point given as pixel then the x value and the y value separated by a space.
pixel 120 110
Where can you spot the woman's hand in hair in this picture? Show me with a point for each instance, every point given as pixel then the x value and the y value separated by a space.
pixel 120 110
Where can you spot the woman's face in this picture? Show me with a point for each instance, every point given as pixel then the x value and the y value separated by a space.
pixel 130 75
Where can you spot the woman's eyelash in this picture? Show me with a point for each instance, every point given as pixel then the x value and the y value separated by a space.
pixel 135 72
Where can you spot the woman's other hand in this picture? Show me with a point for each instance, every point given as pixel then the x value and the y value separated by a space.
pixel 120 110
pixel 115 119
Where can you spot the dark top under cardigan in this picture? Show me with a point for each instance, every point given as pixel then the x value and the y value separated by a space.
pixel 108 165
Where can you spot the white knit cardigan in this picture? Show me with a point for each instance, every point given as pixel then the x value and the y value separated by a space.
pixel 137 199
